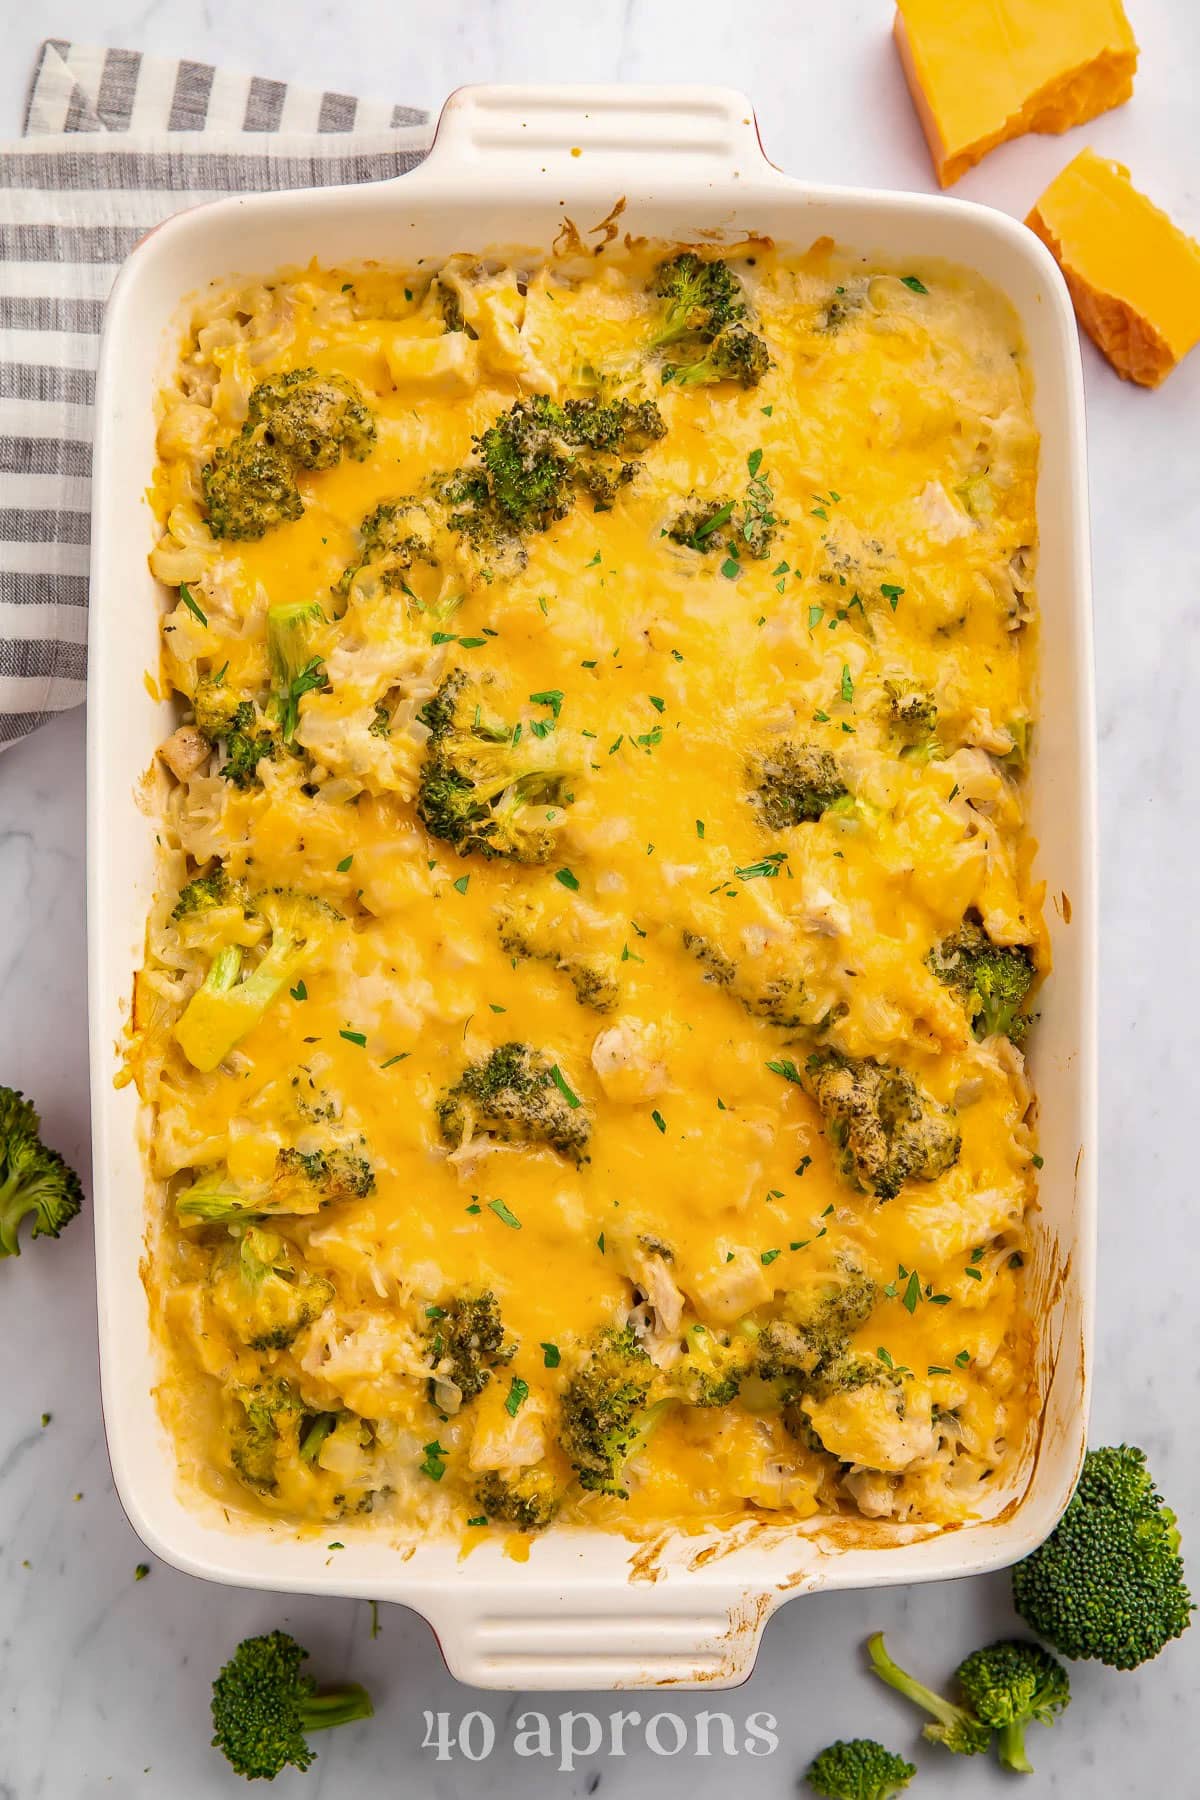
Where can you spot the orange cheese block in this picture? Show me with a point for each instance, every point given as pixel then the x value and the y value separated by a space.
pixel 984 71
pixel 1133 275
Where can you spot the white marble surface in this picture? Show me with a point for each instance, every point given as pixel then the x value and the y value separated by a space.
pixel 104 1681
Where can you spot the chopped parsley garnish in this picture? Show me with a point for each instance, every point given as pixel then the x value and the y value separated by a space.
pixel 787 1068
pixel 563 1086
pixel 551 1355
pixel 891 592
pixel 659 1120
pixel 460 886
pixel 345 863
pixel 911 281
pixel 847 684
pixel 434 1465
pixel 568 879
pixel 505 1214
pixel 767 869
pixel 299 992
pixel 767 1257
pixel 185 594
pixel 355 1037
pixel 518 1393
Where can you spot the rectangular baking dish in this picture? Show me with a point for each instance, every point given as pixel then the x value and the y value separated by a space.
pixel 508 167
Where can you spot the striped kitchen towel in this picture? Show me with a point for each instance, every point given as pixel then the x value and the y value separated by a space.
pixel 114 143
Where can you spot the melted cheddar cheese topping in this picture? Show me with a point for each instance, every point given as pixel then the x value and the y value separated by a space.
pixel 736 997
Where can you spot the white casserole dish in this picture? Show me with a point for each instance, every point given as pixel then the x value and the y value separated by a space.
pixel 506 167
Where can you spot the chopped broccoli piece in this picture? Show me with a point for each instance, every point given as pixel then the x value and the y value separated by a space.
pixel 699 524
pixel 711 1370
pixel 593 977
pixel 249 489
pixel 274 1300
pixel 396 535
pixel 263 1707
pixel 270 1409
pixel 207 892
pixel 512 1097
pixel 794 784
pixel 219 711
pixel 780 999
pixel 702 294
pixel 337 1173
pixel 993 979
pixel 477 790
pixel 606 1411
pixel 883 1129
pixel 536 454
pixel 912 718
pixel 466 1342
pixel 1109 1582
pixel 805 1348
pixel 528 1500
pixel 295 670
pixel 225 1008
pixel 859 1769
pixel 35 1181
pixel 1009 1684
pixel 312 418
pixel 957 1727
pixel 737 354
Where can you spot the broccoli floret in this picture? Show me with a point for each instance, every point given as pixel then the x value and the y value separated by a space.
pixel 1109 1582
pixel 1009 1684
pixel 912 718
pixel 466 1342
pixel 270 1410
pixel 263 1707
pixel 794 784
pixel 528 1501
pixel 396 535
pixel 883 1129
pixel 992 978
pixel 805 1349
pixel 842 306
pixel 274 1300
pixel 699 524
pixel 207 892
pixel 956 1727
pixel 249 488
pixel 780 999
pixel 513 1097
pixel 606 1411
pixel 711 1370
pixel 593 977
pixel 537 453
pixel 311 418
pixel 295 670
pixel 702 295
pixel 225 1007
pixel 477 790
pixel 859 1769
pixel 737 354
pixel 218 710
pixel 35 1181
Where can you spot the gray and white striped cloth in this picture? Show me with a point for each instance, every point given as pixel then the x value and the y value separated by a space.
pixel 113 140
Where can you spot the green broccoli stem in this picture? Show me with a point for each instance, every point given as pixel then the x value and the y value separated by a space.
pixel 943 1710
pixel 335 1706
pixel 1010 1745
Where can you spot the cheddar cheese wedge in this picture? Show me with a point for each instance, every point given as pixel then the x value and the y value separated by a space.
pixel 984 71
pixel 1133 275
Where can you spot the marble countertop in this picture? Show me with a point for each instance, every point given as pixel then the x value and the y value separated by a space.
pixel 104 1679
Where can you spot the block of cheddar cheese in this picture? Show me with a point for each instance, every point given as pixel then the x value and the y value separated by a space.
pixel 984 71
pixel 1133 275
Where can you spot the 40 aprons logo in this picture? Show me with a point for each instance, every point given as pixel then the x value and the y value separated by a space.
pixel 566 1737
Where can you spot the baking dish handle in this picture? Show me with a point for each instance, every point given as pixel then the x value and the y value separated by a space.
pixel 683 134
pixel 603 1637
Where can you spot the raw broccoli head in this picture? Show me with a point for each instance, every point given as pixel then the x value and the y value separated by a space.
pixel 271 1412
pixel 883 1129
pixel 1008 1684
pixel 312 418
pixel 794 784
pixel 263 1706
pixel 859 1769
pixel 513 1097
pixel 702 295
pixel 478 790
pixel 468 1335
pixel 277 1299
pixel 527 1501
pixel 605 1415
pixel 736 354
pixel 1109 1582
pixel 249 488
pixel 992 978
pixel 955 1727
pixel 35 1181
